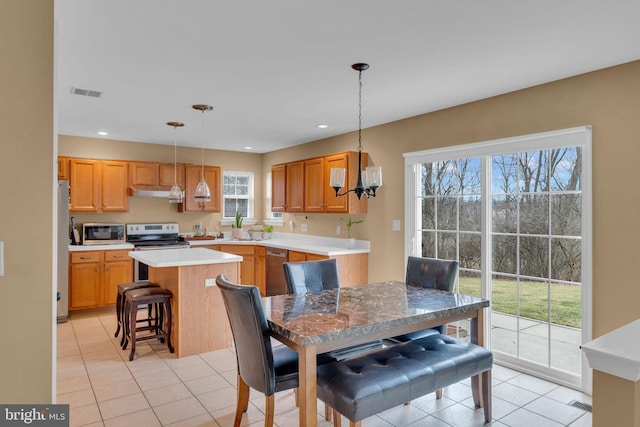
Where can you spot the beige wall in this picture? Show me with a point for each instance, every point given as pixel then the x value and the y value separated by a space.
pixel 160 210
pixel 26 191
pixel 608 99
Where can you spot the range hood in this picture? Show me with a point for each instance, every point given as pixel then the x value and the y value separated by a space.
pixel 158 193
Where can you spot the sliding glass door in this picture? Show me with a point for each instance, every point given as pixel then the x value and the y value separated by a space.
pixel 515 219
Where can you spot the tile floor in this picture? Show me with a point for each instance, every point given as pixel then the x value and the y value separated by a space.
pixel 103 388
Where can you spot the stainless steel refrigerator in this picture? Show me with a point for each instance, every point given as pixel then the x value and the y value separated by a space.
pixel 63 251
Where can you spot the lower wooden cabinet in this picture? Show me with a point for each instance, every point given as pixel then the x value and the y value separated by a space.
pixel 247 267
pixel 94 277
pixel 261 269
pixel 352 269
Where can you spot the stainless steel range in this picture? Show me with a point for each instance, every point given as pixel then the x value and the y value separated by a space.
pixel 147 237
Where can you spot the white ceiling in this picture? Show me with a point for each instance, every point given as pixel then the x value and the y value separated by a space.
pixel 275 69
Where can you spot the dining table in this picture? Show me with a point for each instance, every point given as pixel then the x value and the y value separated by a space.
pixel 319 322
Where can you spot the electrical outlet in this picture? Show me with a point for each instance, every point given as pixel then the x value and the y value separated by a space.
pixel 304 227
pixel 209 282
pixel 338 229
pixel 395 225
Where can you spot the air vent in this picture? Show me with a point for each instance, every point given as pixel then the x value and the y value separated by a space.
pixel 580 405
pixel 86 92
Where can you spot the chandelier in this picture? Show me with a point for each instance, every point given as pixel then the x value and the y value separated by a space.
pixel 370 179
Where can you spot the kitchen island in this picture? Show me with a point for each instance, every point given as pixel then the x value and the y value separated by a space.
pixel 200 322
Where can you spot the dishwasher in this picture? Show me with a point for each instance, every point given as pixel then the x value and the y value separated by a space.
pixel 276 284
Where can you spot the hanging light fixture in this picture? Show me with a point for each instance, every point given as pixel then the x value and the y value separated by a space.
pixel 202 194
pixel 176 195
pixel 368 184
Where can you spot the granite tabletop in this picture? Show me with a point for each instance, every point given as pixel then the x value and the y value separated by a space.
pixel 317 317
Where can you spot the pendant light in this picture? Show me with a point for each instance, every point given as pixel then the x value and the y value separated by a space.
pixel 372 180
pixel 202 194
pixel 176 195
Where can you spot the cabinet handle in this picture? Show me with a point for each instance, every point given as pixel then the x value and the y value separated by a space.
pixel 85 257
pixel 117 256
pixel 97 270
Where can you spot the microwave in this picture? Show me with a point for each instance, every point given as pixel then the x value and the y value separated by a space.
pixel 94 233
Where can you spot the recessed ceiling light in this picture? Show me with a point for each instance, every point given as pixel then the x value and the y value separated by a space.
pixel 103 133
pixel 322 126
pixel 248 148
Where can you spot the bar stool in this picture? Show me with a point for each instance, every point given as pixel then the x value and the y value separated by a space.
pixel 161 327
pixel 122 289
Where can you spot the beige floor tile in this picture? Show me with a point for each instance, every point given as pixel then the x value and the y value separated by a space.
pixel 84 415
pixel 163 395
pixel 116 390
pixel 153 381
pixel 70 385
pixel 218 399
pixel 204 420
pixel 77 398
pixel 206 384
pixel 123 405
pixel 179 410
pixel 226 416
pixel 186 373
pixel 221 360
pixel 145 418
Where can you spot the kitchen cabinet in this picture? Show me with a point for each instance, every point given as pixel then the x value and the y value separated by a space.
pixel 165 175
pixel 155 175
pixel 94 277
pixel 303 186
pixel 261 269
pixel 314 191
pixel 98 185
pixel 247 267
pixel 353 269
pixel 287 184
pixel 63 167
pixel 192 178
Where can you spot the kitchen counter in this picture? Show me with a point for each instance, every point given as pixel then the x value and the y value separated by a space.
pixel 80 248
pixel 181 257
pixel 328 246
pixel 200 322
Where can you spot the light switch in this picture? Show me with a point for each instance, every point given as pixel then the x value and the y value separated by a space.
pixel 304 227
pixel 209 282
pixel 1 259
pixel 395 225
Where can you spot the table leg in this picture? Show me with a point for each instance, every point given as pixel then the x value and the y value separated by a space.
pixel 307 392
pixel 477 337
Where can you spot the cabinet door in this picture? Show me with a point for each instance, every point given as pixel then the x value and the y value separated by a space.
pixel 261 270
pixel 165 175
pixel 278 188
pixel 85 182
pixel 143 174
pixel 295 256
pixel 316 257
pixel 115 272
pixel 247 267
pixel 63 168
pixel 84 282
pixel 295 187
pixel 193 175
pixel 314 185
pixel 335 204
pixel 114 186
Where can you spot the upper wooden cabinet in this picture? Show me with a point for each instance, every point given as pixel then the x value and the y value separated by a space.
pixel 98 185
pixel 308 180
pixel 287 184
pixel 63 167
pixel 192 178
pixel 166 172
pixel 158 175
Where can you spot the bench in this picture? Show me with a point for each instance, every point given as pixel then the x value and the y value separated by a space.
pixel 367 385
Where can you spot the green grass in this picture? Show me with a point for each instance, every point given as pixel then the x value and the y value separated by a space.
pixel 534 301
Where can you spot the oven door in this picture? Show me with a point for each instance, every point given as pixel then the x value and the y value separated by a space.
pixel 140 269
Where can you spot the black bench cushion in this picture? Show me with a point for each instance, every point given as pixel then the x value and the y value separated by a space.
pixel 369 384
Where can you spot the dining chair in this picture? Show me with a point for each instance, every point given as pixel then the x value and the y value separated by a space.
pixel 261 366
pixel 316 276
pixel 429 273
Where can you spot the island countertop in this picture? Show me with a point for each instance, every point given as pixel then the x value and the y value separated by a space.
pixel 183 257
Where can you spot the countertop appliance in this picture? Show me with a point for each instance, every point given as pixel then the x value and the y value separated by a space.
pixel 276 283
pixel 100 233
pixel 63 251
pixel 146 237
